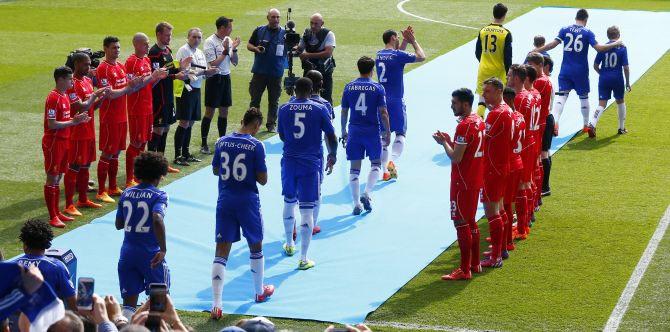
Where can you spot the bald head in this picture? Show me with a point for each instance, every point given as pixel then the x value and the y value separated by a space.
pixel 316 22
pixel 273 18
pixel 141 44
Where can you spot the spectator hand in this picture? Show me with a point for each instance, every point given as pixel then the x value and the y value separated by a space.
pixel 113 308
pixel 31 278
pixel 99 313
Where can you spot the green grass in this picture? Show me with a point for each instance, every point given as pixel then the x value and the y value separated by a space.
pixel 608 194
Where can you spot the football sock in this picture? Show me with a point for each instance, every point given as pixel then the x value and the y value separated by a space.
pixel 131 154
pixel 317 207
pixel 257 265
pixel 385 158
pixel 163 143
pixel 354 185
pixel 186 146
pixel 372 179
pixel 464 238
pixel 113 170
pixel 289 219
pixel 82 183
pixel 474 243
pixel 55 192
pixel 521 212
pixel 128 312
pixel 622 115
pixel 596 115
pixel 508 224
pixel 585 108
pixel 306 226
pixel 103 169
pixel 218 271
pixel 70 185
pixel 398 146
pixel 48 200
pixel 495 229
pixel 204 129
pixel 178 141
pixel 222 124
pixel 155 142
pixel 559 104
pixel 546 170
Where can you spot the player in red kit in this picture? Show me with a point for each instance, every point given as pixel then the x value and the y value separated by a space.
pixel 536 190
pixel 466 152
pixel 57 123
pixel 516 168
pixel 81 151
pixel 542 84
pixel 140 103
pixel 498 147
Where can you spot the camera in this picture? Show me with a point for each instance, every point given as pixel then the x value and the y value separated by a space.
pixel 95 57
pixel 291 40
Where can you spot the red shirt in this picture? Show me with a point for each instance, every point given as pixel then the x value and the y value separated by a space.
pixel 543 85
pixel 57 107
pixel 469 171
pixel 140 102
pixel 526 104
pixel 498 140
pixel 515 161
pixel 81 91
pixel 114 76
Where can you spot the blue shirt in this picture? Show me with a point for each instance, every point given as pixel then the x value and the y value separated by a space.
pixel 238 157
pixel 364 97
pixel 54 272
pixel 612 63
pixel 300 124
pixel 136 208
pixel 390 69
pixel 271 62
pixel 13 297
pixel 576 40
pixel 319 99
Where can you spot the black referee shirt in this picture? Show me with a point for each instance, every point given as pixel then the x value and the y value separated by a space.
pixel 163 90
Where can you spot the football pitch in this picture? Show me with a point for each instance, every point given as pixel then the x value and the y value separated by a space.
pixel 609 194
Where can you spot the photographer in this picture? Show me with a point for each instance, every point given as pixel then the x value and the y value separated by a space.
pixel 317 45
pixel 267 42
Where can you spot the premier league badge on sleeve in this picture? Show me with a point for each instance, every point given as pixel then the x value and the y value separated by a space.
pixel 460 139
pixel 51 113
pixel 104 82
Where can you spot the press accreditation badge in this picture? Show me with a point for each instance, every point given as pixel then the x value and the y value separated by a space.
pixel 280 50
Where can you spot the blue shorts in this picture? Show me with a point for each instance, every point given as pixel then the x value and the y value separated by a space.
pixel 607 86
pixel 360 145
pixel 579 83
pixel 135 272
pixel 301 181
pixel 239 212
pixel 397 115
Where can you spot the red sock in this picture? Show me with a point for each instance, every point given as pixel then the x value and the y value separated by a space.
pixel 82 184
pixel 496 229
pixel 521 213
pixel 70 185
pixel 55 192
pixel 503 237
pixel 131 153
pixel 474 243
pixel 113 170
pixel 464 239
pixel 48 200
pixel 508 224
pixel 103 169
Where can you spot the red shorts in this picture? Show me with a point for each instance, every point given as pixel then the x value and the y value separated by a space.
pixel 55 155
pixel 494 187
pixel 140 127
pixel 81 151
pixel 463 203
pixel 113 137
pixel 529 157
pixel 513 180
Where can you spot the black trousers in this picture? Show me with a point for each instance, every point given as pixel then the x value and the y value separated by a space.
pixel 257 86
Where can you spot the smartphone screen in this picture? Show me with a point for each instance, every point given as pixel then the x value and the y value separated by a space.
pixel 157 293
pixel 85 288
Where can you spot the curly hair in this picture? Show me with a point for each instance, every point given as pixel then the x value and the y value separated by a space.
pixel 36 234
pixel 251 115
pixel 150 166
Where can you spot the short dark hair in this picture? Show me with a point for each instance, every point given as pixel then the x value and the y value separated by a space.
pixel 535 58
pixel 365 64
pixel 582 15
pixel 78 57
pixel 316 77
pixel 464 95
pixel 62 72
pixel 162 26
pixel 109 40
pixel 499 11
pixel 386 36
pixel 251 115
pixel 70 321
pixel 36 234
pixel 549 62
pixel 538 41
pixel 508 92
pixel 613 32
pixel 303 86
pixel 495 82
pixel 531 73
pixel 519 71
pixel 150 166
pixel 223 21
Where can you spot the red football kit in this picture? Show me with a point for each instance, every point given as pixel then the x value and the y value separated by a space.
pixel 516 165
pixel 526 104
pixel 467 176
pixel 498 147
pixel 140 107
pixel 113 117
pixel 55 141
pixel 82 136
pixel 543 86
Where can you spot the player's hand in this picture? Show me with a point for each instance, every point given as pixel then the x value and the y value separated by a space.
pixel 159 74
pixel 332 159
pixel 343 139
pixel 628 88
pixel 438 138
pixel 100 93
pixel 180 76
pixel 386 140
pixel 158 258
pixel 81 118
pixel 31 278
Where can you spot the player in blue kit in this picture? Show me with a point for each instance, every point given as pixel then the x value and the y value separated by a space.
pixel 609 65
pixel 239 162
pixel 367 100
pixel 391 63
pixel 574 74
pixel 140 215
pixel 301 123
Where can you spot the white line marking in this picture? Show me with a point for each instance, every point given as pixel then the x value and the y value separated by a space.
pixel 410 326
pixel 634 281
pixel 401 3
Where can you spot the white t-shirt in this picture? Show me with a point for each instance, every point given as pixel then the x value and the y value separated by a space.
pixel 329 41
pixel 214 48
pixel 198 58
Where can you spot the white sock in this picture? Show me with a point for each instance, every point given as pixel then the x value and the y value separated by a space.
pixel 306 226
pixel 354 185
pixel 257 265
pixel 128 312
pixel 622 115
pixel 596 115
pixel 372 179
pixel 385 158
pixel 289 219
pixel 398 146
pixel 586 110
pixel 317 206
pixel 558 107
pixel 218 271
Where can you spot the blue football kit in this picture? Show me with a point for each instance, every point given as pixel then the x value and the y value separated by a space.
pixel 390 69
pixel 364 98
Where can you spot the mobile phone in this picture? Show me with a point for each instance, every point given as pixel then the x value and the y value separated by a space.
pixel 85 288
pixel 157 297
pixel 153 323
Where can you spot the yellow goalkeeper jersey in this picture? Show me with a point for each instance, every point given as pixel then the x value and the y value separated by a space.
pixel 494 51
